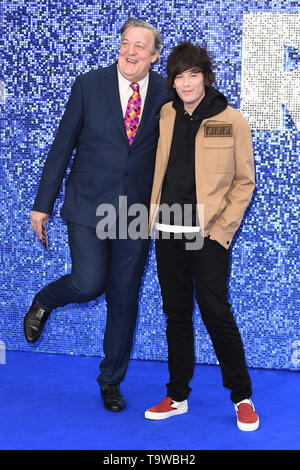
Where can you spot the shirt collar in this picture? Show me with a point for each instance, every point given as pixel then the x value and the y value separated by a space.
pixel 125 84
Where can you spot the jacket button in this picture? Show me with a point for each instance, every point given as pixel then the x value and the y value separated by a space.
pixel 227 242
pixel 126 174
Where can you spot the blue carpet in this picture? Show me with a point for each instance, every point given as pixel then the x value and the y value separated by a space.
pixel 52 402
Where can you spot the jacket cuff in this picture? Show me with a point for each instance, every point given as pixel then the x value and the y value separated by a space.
pixel 46 196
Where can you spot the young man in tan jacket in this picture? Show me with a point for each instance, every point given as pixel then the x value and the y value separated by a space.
pixel 205 176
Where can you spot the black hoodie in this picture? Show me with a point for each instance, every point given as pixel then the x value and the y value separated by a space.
pixel 179 184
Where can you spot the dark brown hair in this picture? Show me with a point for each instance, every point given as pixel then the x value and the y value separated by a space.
pixel 187 56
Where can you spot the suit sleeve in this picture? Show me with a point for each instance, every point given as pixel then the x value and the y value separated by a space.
pixel 60 152
pixel 241 189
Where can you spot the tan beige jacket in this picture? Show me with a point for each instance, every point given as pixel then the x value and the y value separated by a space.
pixel 224 170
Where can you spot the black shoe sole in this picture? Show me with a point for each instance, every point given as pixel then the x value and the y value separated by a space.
pixel 114 409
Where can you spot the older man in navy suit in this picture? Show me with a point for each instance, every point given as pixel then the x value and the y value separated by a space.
pixel 111 119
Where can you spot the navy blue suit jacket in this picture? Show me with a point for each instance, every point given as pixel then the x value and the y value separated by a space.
pixel 105 166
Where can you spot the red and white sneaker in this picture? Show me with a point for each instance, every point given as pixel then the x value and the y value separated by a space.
pixel 167 408
pixel 247 419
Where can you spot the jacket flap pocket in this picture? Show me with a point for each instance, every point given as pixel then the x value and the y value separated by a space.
pixel 218 142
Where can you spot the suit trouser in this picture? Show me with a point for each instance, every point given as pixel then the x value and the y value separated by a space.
pixel 204 271
pixel 112 266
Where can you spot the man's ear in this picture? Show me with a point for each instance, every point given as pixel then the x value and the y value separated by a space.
pixel 155 57
pixel 206 81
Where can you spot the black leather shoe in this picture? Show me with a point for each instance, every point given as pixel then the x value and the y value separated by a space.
pixel 112 397
pixel 34 321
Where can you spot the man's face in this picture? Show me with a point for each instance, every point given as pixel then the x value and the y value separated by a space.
pixel 135 54
pixel 190 87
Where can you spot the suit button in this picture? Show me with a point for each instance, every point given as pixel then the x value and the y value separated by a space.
pixel 227 243
pixel 126 174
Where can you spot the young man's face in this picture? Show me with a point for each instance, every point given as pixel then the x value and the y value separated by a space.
pixel 190 87
pixel 135 54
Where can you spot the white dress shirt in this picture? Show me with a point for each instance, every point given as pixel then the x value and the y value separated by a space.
pixel 126 91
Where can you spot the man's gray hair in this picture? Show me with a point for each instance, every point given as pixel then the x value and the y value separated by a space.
pixel 157 41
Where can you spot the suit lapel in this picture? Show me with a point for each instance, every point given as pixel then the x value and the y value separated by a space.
pixel 113 95
pixel 149 101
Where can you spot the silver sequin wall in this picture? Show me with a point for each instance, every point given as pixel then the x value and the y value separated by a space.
pixel 44 46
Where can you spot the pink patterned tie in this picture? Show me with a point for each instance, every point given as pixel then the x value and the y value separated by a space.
pixel 133 112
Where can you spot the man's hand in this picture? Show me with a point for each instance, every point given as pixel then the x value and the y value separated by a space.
pixel 38 219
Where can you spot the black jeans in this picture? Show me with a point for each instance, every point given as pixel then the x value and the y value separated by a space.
pixel 205 271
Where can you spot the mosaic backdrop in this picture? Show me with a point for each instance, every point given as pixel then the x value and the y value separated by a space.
pixel 45 45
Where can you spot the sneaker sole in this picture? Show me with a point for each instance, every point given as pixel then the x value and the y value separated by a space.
pixel 248 427
pixel 157 416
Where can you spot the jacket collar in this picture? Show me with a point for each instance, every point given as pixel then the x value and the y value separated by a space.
pixel 171 113
pixel 168 114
